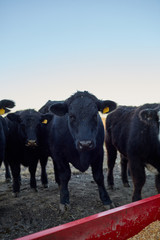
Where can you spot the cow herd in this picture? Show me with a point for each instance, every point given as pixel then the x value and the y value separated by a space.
pixel 71 131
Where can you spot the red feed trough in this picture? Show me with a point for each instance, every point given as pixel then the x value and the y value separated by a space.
pixel 119 223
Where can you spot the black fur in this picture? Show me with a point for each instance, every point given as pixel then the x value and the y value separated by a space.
pixel 133 131
pixel 76 137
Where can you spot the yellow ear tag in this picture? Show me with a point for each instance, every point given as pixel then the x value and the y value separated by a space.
pixel 45 121
pixel 2 111
pixel 106 109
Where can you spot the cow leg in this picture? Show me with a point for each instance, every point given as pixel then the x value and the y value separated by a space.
pixel 124 163
pixel 4 160
pixel 157 182
pixel 138 176
pixel 111 158
pixel 7 173
pixel 44 179
pixel 97 171
pixel 64 174
pixel 15 169
pixel 32 170
pixel 56 173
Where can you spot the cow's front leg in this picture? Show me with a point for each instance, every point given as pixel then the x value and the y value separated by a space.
pixel 97 172
pixel 32 170
pixel 7 173
pixel 56 173
pixel 64 177
pixel 15 169
pixel 44 179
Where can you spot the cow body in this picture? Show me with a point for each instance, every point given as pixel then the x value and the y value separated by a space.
pixel 134 132
pixel 25 145
pixel 76 137
pixel 3 135
pixel 5 106
pixel 3 139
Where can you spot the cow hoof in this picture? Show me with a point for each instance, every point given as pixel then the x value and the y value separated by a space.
pixel 64 207
pixel 110 206
pixel 8 180
pixel 34 190
pixel 111 187
pixel 126 185
pixel 16 194
pixel 45 185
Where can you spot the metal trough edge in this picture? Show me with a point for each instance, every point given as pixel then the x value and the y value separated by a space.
pixel 118 223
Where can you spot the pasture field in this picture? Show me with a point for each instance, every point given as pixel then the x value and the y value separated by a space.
pixel 36 211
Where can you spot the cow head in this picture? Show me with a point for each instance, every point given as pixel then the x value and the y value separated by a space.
pixel 151 117
pixel 29 123
pixel 5 105
pixel 81 109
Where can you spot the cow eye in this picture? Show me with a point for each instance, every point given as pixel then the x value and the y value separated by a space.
pixel 72 118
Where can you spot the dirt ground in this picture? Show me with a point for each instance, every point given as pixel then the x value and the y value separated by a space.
pixel 32 212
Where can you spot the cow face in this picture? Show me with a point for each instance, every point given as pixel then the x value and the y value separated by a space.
pixel 29 123
pixel 151 117
pixel 83 118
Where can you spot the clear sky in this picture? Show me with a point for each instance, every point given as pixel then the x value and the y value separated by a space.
pixel 49 49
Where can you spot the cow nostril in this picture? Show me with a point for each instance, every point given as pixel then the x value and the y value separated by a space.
pixel 80 146
pixel 31 143
pixel 91 145
pixel 87 145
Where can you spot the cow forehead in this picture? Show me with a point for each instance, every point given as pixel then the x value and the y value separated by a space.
pixel 30 116
pixel 83 104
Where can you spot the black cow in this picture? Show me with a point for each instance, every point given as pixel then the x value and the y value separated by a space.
pixel 25 145
pixel 5 106
pixel 135 133
pixel 46 108
pixel 77 137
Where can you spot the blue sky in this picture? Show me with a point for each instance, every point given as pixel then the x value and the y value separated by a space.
pixel 49 49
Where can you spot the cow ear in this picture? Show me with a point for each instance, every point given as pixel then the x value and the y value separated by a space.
pixel 148 115
pixel 106 106
pixel 46 118
pixel 59 109
pixel 14 117
pixel 7 103
pixel 4 105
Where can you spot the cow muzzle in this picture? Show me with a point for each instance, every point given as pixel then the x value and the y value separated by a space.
pixel 85 145
pixel 31 143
